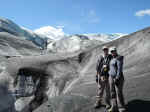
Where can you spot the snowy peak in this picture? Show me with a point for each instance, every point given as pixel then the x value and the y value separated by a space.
pixel 50 32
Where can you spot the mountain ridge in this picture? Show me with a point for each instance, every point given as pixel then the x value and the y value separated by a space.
pixel 49 35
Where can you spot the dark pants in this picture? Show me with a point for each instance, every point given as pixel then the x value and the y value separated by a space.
pixel 104 86
pixel 116 90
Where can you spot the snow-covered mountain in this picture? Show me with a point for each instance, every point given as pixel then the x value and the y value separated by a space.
pixel 72 43
pixel 55 39
pixel 78 42
pixel 51 32
pixel 8 26
pixel 58 34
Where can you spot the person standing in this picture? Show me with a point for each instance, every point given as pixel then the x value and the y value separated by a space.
pixel 116 81
pixel 102 75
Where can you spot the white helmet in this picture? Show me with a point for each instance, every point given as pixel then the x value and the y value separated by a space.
pixel 113 49
pixel 105 47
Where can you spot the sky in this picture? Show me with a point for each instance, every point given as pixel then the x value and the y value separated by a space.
pixel 79 16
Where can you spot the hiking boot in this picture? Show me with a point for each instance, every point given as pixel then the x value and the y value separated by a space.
pixel 97 104
pixel 108 106
pixel 112 109
pixel 122 109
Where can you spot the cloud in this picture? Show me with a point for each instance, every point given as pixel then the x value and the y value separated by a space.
pixel 94 20
pixel 142 13
pixel 92 13
pixel 90 17
pixel 84 18
pixel 60 27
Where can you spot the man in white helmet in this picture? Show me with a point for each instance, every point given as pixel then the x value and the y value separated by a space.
pixel 116 81
pixel 102 75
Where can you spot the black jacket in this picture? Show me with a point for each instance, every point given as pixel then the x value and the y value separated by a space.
pixel 101 61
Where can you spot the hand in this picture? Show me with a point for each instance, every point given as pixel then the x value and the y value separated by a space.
pixel 116 81
pixel 102 78
pixel 99 86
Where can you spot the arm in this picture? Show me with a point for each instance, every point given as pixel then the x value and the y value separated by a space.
pixel 98 68
pixel 99 65
pixel 119 66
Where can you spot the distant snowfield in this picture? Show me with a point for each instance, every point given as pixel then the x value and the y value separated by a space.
pixel 105 37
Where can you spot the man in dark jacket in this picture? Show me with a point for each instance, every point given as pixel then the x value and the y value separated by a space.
pixel 116 81
pixel 102 78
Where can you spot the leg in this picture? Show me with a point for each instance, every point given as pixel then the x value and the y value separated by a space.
pixel 101 90
pixel 119 93
pixel 100 94
pixel 113 94
pixel 108 96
